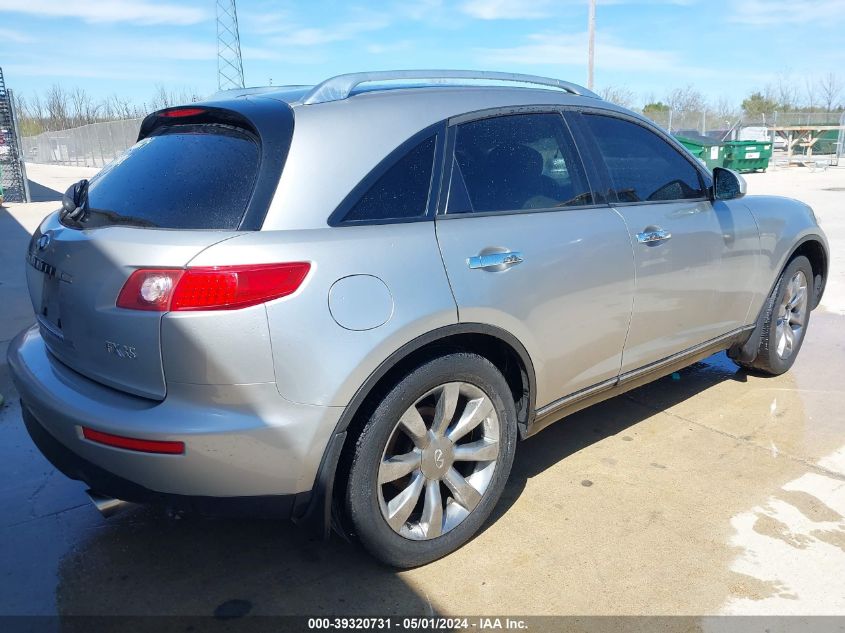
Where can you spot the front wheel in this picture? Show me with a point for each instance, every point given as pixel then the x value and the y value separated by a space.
pixel 785 321
pixel 432 460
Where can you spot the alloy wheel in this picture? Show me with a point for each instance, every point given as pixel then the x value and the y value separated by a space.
pixel 792 315
pixel 438 461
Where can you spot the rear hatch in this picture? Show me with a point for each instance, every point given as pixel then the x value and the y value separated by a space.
pixel 193 180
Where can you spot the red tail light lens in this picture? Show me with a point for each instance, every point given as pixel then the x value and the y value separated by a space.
pixel 134 444
pixel 177 113
pixel 210 288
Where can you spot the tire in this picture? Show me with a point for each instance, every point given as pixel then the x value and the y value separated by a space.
pixel 776 355
pixel 392 441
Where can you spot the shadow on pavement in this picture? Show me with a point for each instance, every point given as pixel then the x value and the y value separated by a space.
pixel 608 418
pixel 147 561
pixel 41 193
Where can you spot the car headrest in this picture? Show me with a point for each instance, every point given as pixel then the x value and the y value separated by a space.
pixel 506 156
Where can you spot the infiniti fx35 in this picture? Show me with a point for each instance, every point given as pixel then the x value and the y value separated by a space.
pixel 346 303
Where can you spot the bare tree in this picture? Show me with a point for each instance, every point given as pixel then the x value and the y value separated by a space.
pixel 35 108
pixel 725 111
pixel 56 104
pixel 121 107
pixel 811 91
pixel 686 100
pixel 786 92
pixel 620 95
pixel 830 89
pixel 29 124
pixel 84 109
pixel 163 98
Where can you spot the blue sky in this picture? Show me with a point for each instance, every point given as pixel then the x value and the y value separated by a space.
pixel 125 47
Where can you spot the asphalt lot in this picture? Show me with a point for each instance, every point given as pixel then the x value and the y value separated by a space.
pixel 707 492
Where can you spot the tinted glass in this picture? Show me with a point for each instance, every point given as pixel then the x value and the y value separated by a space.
pixel 183 177
pixel 402 191
pixel 523 161
pixel 642 166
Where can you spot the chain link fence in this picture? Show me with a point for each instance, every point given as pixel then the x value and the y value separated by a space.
pixel 96 144
pixel 92 145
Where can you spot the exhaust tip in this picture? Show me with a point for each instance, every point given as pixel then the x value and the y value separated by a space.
pixel 107 506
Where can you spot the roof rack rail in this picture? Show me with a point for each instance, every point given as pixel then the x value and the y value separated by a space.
pixel 340 87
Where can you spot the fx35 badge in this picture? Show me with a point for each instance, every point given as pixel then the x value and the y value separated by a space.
pixel 121 351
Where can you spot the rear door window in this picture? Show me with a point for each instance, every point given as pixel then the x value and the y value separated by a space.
pixel 180 177
pixel 642 166
pixel 515 162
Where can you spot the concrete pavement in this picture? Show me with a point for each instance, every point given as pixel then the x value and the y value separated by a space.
pixel 707 492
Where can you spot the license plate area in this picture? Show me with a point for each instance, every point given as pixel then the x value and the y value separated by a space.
pixel 49 314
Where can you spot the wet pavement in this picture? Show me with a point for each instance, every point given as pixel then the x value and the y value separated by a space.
pixel 709 491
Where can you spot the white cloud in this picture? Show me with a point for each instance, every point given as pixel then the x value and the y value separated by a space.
pixel 82 71
pixel 507 9
pixel 392 47
pixel 284 29
pixel 536 9
pixel 134 11
pixel 784 12
pixel 571 50
pixel 8 35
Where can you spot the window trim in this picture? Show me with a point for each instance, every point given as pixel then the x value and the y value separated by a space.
pixel 438 130
pixel 491 113
pixel 596 157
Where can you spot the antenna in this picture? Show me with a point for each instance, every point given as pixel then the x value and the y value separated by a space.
pixel 230 66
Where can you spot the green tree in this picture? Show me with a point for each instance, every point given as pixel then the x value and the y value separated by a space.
pixel 758 103
pixel 655 107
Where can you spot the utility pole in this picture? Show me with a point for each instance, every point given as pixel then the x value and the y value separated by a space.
pixel 230 67
pixel 591 47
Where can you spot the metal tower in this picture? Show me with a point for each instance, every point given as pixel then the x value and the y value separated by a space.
pixel 230 67
pixel 14 186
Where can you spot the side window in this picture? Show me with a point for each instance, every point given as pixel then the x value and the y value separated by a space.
pixel 520 161
pixel 643 167
pixel 401 192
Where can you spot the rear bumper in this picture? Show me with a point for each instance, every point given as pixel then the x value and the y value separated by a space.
pixel 240 440
pixel 106 483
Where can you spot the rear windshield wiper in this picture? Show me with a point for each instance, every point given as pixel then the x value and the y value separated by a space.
pixel 77 213
pixel 103 217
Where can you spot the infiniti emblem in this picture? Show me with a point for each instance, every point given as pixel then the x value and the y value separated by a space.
pixel 43 241
pixel 438 458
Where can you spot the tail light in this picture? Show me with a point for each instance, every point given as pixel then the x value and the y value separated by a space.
pixel 210 288
pixel 177 113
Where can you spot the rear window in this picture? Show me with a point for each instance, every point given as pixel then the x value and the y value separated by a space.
pixel 180 177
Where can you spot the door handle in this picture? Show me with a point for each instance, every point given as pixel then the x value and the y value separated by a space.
pixel 495 261
pixel 654 236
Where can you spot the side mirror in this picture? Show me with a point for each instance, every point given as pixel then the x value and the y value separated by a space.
pixel 75 200
pixel 727 184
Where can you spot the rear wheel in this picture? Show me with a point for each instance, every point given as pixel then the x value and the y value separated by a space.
pixel 432 460
pixel 786 319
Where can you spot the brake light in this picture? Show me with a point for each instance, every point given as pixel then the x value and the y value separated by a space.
pixel 134 444
pixel 177 113
pixel 210 288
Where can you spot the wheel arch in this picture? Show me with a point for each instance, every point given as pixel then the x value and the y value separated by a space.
pixel 814 250
pixel 502 348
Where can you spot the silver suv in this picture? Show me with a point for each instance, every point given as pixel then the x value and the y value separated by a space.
pixel 345 303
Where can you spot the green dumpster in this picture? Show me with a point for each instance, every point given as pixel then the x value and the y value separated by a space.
pixel 707 150
pixel 748 155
